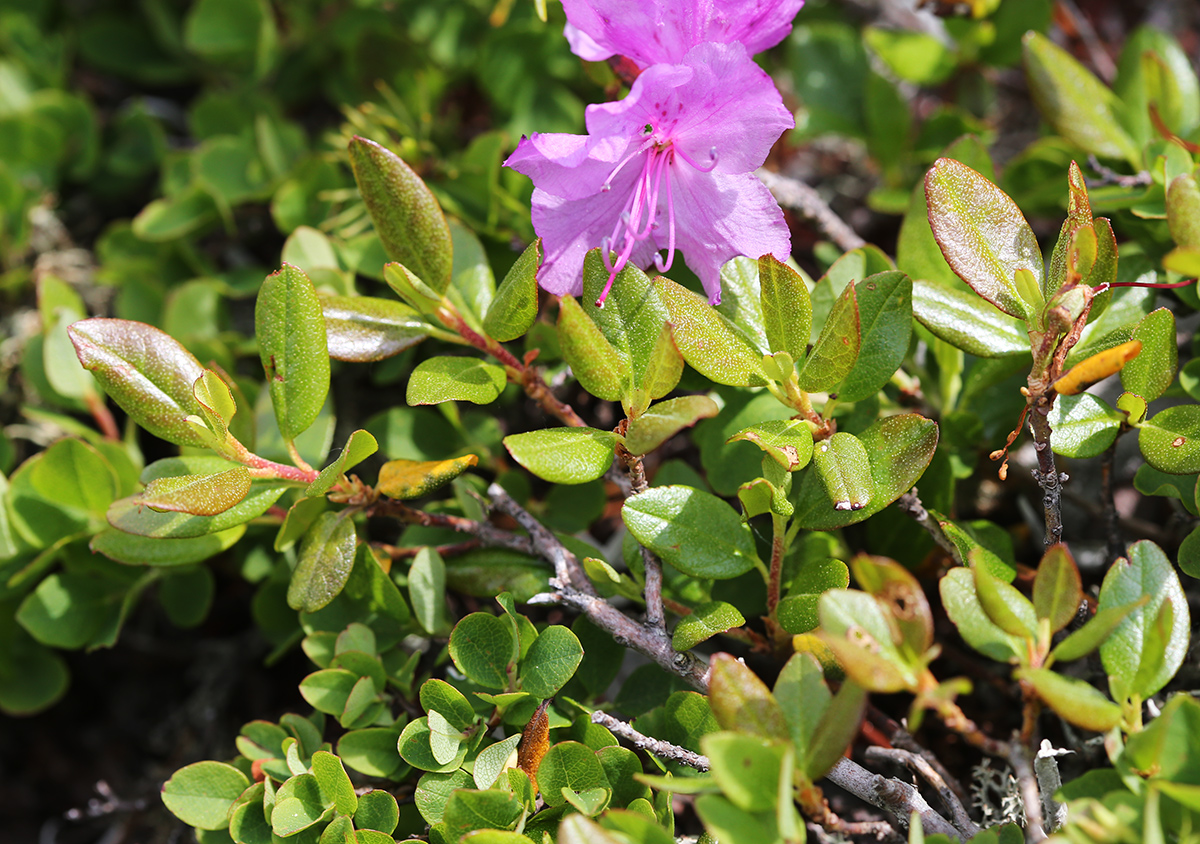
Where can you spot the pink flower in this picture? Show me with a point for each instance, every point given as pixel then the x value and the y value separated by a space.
pixel 670 166
pixel 653 32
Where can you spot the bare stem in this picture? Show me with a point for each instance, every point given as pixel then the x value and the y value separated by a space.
pixel 545 544
pixel 1046 474
pixel 487 534
pixel 799 197
pixel 653 567
pixel 891 795
pixel 398 553
pixel 661 749
pixel 958 812
pixel 911 504
pixel 1022 765
pixel 1112 529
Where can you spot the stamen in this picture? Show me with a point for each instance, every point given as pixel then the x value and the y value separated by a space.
pixel 1160 285
pixel 660 265
pixel 607 186
pixel 711 164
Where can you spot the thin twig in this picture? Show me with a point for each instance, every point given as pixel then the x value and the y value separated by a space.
pixel 566 566
pixel 485 532
pixel 1112 529
pixel 402 553
pixel 891 795
pixel 794 194
pixel 661 749
pixel 902 738
pixel 911 504
pixel 1030 796
pixel 1109 176
pixel 655 617
pixel 958 812
pixel 1047 476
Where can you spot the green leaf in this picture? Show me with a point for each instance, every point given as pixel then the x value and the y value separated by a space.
pixel 838 726
pixel 982 234
pixel 797 612
pixel 731 825
pixel 564 455
pixel 693 531
pixel 1165 750
pixel 1076 701
pixel 491 761
pixel 913 56
pixel 290 329
pixel 198 495
pixel 1057 589
pixel 371 751
pixel 329 689
pixel 551 662
pixel 406 479
pixel 482 647
pixel 1007 608
pixel 845 469
pixel 468 810
pixel 362 329
pixel 1183 210
pixel 334 782
pixel 358 448
pixel 1135 642
pixel 145 371
pixel 885 310
pixel 515 305
pixel 1152 371
pixel 665 419
pixel 899 449
pixel 473 285
pixel 740 701
pixel 1089 637
pixel 804 698
pixel 187 596
pixel 131 516
pixel 705 621
pixel 570 765
pixel 406 215
pixel 434 789
pixel 201 794
pixel 962 604
pixel 74 475
pixel 745 767
pixel 146 551
pixel 415 746
pixel 444 740
pixel 708 340
pixel 427 591
pixel 1074 102
pixel 1170 440
pixel 440 379
pixel 1083 425
pixel 600 368
pixel 788 441
pixel 856 628
pixel 324 562
pixel 67 609
pixel 836 350
pixel 299 805
pixel 175 216
pixel 786 307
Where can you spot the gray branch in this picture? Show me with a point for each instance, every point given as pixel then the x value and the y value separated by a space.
pixel 911 504
pixel 661 749
pixel 799 197
pixel 920 765
pixel 890 795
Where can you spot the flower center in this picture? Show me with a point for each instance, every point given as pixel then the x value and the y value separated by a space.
pixel 638 218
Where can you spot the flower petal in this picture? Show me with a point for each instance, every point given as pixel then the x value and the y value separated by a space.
pixel 718 217
pixel 569 166
pixel 583 46
pixel 653 33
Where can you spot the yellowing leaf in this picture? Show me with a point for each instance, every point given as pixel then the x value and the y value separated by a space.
pixel 1096 368
pixel 406 479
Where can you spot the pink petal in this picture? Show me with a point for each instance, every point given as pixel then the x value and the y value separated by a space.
pixel 718 217
pixel 569 166
pixel 583 46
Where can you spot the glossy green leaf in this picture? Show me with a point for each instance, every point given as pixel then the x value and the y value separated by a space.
pixel 1057 589
pixel 434 789
pixel 786 307
pixel 961 601
pixel 131 515
pixel 1005 606
pixel 788 441
pixel 1165 750
pixel 67 609
pixel 415 748
pixel 454 708
pixel 797 613
pixel 704 622
pixel 468 810
pixel 885 311
pixel 201 794
pixel 740 701
pixel 147 372
pixel 845 469
pixel 362 329
pixel 1152 371
pixel 440 379
pixel 745 767
pixel 146 551
pixel 74 475
pixel 445 740
pixel 898 447
pixel 564 455
pixel 324 562
pixel 1089 637
pixel 482 647
pixel 1176 81
pixel 836 350
pixel 492 759
pixel 551 662
pixel 299 805
pixel 370 751
pixel 290 329
pixel 406 215
pixel 515 305
pixel 407 479
pixel 1083 425
pixel 409 287
pixel 967 322
pixel 334 782
pixel 982 234
pixel 1073 101
pixel 1170 440
pixel 570 765
pixel 1183 210
pixel 693 531
pixel 856 628
pixel 358 448
pixel 708 340
pixel 473 286
pixel 1135 643
pixel 665 419
pixel 427 590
